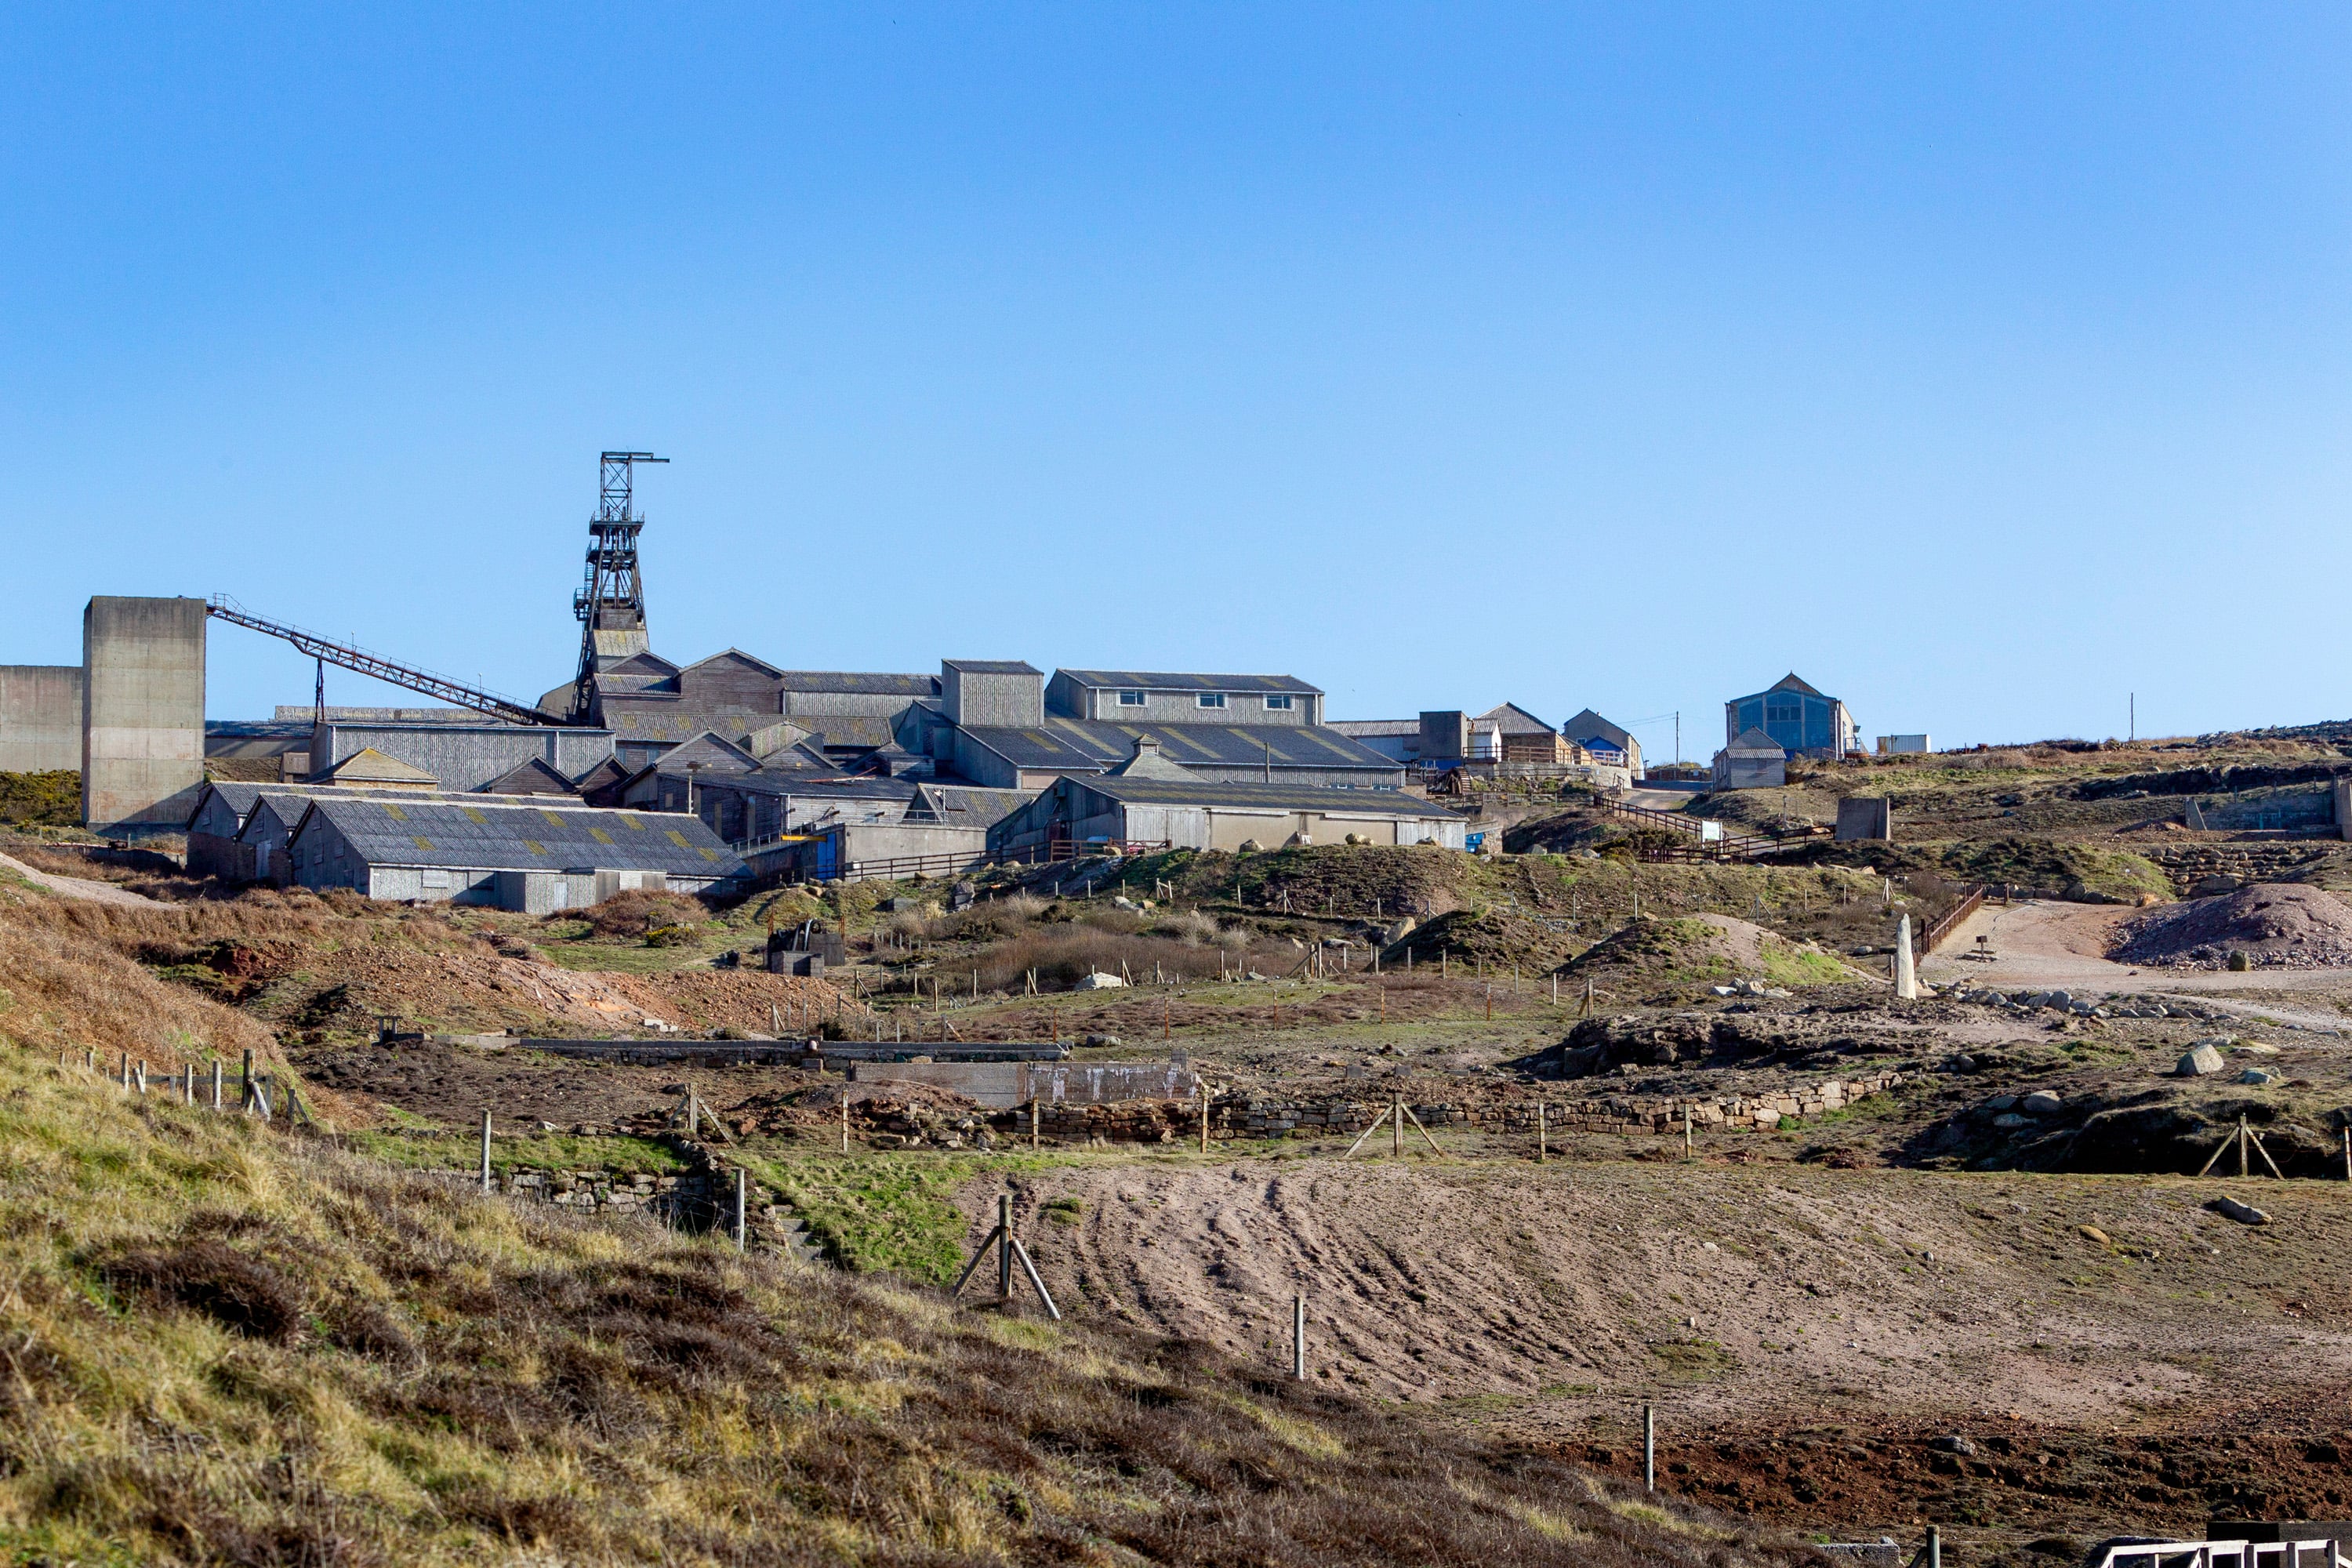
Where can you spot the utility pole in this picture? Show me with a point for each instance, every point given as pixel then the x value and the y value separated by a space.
pixel 1678 743
pixel 2133 732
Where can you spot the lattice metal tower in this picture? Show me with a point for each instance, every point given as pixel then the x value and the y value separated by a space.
pixel 611 602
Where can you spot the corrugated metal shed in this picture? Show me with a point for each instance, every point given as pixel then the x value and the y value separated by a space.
pixel 498 836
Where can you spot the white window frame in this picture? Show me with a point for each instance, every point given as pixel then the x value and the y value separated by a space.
pixel 1132 699
pixel 1211 699
pixel 1278 701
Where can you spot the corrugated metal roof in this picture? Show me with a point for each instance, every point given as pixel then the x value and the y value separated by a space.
pixel 1362 728
pixel 858 681
pixel 1278 797
pixel 992 666
pixel 1166 680
pixel 1065 742
pixel 501 836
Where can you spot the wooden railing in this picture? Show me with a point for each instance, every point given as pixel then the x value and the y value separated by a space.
pixel 1972 898
pixel 1702 850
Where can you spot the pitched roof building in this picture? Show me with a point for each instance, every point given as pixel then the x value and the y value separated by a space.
pixel 518 855
pixel 1800 718
pixel 1205 815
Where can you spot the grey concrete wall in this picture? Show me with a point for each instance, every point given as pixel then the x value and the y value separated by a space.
pixel 40 718
pixel 143 736
pixel 1865 816
pixel 465 756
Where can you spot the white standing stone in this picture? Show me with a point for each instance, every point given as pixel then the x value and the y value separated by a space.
pixel 1906 972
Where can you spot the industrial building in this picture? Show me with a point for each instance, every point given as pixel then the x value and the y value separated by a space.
pixel 533 858
pixel 1798 719
pixel 1193 814
pixel 1608 745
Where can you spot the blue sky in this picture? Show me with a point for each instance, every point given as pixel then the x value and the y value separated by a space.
pixel 1982 365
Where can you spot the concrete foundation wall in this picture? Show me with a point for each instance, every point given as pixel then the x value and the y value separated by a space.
pixel 1001 1085
pixel 143 733
pixel 1865 816
pixel 40 718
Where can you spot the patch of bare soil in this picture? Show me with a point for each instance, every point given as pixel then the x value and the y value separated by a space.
pixel 1495 936
pixel 1807 1334
pixel 2280 925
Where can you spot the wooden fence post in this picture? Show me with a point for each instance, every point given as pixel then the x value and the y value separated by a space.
pixel 486 1151
pixel 742 1233
pixel 1649 1447
pixel 1299 1338
pixel 216 1083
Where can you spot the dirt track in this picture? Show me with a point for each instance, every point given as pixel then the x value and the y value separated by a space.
pixel 1752 1304
pixel 2058 945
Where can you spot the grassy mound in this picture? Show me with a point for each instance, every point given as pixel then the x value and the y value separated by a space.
pixel 1704 949
pixel 225 1345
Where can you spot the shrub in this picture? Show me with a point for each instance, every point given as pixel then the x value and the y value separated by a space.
pixel 638 913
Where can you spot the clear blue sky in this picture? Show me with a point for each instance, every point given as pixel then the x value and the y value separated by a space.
pixel 1982 365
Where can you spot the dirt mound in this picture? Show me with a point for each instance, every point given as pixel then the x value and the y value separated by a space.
pixel 1705 948
pixel 2275 925
pixel 1497 936
pixel 636 912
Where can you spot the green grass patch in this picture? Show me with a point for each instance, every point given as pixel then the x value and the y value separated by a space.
pixel 534 1152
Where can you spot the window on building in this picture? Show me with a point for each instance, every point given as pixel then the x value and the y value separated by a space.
pixel 436 879
pixel 1782 714
pixel 1130 699
pixel 1211 699
pixel 1280 701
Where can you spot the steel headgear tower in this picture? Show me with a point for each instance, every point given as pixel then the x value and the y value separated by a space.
pixel 611 602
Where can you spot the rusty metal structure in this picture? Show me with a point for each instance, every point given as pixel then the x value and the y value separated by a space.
pixel 220 606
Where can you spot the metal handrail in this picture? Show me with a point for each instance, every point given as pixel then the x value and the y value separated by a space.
pixel 2206 1553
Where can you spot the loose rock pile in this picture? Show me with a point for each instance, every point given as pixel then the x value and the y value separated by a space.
pixel 2275 925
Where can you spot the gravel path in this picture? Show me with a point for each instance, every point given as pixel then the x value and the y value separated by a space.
pixel 76 887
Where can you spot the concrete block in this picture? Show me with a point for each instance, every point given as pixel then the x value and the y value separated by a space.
pixel 1865 817
pixel 40 718
pixel 143 736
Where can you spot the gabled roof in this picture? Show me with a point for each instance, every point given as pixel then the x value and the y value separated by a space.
pixel 965 806
pixel 1588 725
pixel 1790 683
pixel 1166 680
pixel 509 836
pixel 1151 763
pixel 704 750
pixel 368 766
pixel 736 654
pixel 530 776
pixel 1279 796
pixel 1363 729
pixel 1085 746
pixel 1755 740
pixel 991 667
pixel 1514 719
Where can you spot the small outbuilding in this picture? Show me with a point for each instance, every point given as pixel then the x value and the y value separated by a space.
pixel 1754 760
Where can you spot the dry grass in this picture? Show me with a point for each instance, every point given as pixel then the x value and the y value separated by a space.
pixel 219 1344
pixel 1064 954
pixel 633 913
